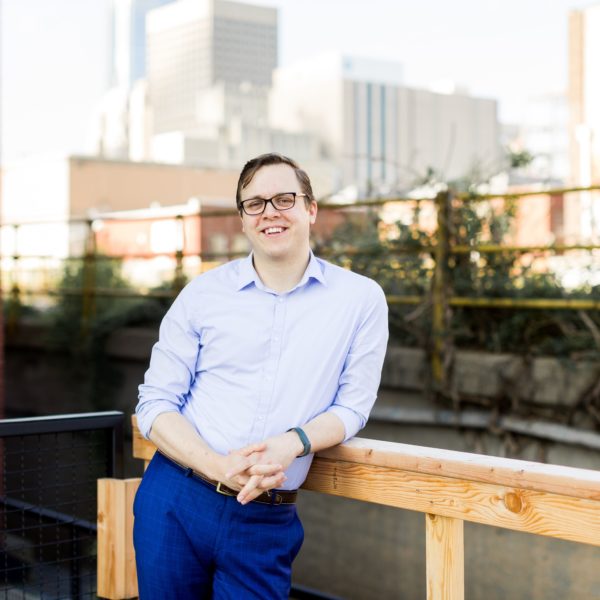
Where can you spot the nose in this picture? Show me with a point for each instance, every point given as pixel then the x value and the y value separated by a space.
pixel 270 208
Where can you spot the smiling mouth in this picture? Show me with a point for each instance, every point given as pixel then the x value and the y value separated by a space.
pixel 273 231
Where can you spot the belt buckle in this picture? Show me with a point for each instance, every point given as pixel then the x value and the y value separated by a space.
pixel 222 489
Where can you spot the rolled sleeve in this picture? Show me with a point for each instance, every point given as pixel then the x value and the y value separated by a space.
pixel 352 421
pixel 361 374
pixel 147 412
pixel 172 366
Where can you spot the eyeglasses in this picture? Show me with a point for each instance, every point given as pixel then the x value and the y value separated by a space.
pixel 257 206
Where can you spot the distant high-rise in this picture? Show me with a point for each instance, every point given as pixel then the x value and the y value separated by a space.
pixel 204 97
pixel 584 103
pixel 207 60
pixel 544 134
pixel 383 134
pixel 128 32
pixel 584 93
pixel 121 122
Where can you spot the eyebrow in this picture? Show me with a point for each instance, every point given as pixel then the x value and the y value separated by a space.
pixel 273 196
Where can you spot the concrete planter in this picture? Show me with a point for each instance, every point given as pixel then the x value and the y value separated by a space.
pixel 542 381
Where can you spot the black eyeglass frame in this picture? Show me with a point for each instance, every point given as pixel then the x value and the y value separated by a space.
pixel 266 201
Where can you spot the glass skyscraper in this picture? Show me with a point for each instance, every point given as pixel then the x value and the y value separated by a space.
pixel 128 33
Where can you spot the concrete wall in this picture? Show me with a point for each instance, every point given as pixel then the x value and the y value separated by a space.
pixel 542 382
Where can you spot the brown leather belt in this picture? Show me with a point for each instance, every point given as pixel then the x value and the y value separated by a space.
pixel 267 497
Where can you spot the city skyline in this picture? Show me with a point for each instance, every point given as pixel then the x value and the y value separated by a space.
pixel 482 49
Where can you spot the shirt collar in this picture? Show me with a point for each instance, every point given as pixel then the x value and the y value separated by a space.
pixel 314 270
pixel 247 274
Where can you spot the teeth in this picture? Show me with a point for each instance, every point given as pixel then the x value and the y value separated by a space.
pixel 274 230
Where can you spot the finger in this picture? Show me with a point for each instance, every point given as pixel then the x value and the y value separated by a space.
pixel 249 488
pixel 238 468
pixel 251 485
pixel 240 480
pixel 252 495
pixel 248 450
pixel 253 468
pixel 274 481
pixel 267 469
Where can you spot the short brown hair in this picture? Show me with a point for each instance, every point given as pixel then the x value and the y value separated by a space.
pixel 264 160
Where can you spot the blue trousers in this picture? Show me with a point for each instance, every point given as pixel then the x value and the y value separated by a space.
pixel 192 542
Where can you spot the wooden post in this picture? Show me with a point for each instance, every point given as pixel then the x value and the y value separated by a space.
pixel 88 281
pixel 14 308
pixel 179 279
pixel 440 294
pixel 445 558
pixel 117 577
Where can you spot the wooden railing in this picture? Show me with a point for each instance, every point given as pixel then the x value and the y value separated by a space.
pixel 449 487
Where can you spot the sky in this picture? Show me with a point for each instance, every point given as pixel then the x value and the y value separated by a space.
pixel 54 55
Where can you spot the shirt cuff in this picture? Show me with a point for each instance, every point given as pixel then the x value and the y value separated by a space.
pixel 147 414
pixel 353 422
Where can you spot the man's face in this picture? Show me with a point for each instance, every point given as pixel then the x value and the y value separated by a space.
pixel 277 234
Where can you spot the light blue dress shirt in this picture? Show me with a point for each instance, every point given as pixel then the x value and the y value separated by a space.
pixel 242 362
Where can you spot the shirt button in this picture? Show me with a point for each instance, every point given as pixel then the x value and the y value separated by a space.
pixel 275 339
pixel 280 300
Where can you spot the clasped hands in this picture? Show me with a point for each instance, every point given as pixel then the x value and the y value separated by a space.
pixel 258 467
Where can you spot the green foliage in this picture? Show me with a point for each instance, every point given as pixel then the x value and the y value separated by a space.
pixel 517 159
pixel 17 309
pixel 401 259
pixel 81 324
pixel 358 244
pixel 75 311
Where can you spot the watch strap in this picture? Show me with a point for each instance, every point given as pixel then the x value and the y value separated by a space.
pixel 304 439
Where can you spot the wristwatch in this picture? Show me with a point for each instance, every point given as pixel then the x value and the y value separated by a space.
pixel 303 438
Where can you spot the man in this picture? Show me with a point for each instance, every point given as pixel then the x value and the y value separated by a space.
pixel 260 363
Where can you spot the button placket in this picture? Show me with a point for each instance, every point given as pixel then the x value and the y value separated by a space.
pixel 270 374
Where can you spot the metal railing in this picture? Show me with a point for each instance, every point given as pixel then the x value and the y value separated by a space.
pixel 49 468
pixel 440 253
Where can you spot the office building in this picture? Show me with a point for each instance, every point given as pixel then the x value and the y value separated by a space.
pixel 584 126
pixel 544 134
pixel 383 134
pixel 61 193
pixel 209 76
pixel 122 120
pixel 209 60
pixel 128 40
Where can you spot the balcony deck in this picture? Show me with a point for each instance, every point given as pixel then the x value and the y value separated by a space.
pixel 448 487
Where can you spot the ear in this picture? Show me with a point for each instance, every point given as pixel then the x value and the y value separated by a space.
pixel 312 211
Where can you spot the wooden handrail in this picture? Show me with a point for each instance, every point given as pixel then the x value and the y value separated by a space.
pixel 450 488
pixel 557 501
pixel 570 481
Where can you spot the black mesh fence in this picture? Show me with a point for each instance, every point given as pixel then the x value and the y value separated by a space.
pixel 49 470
